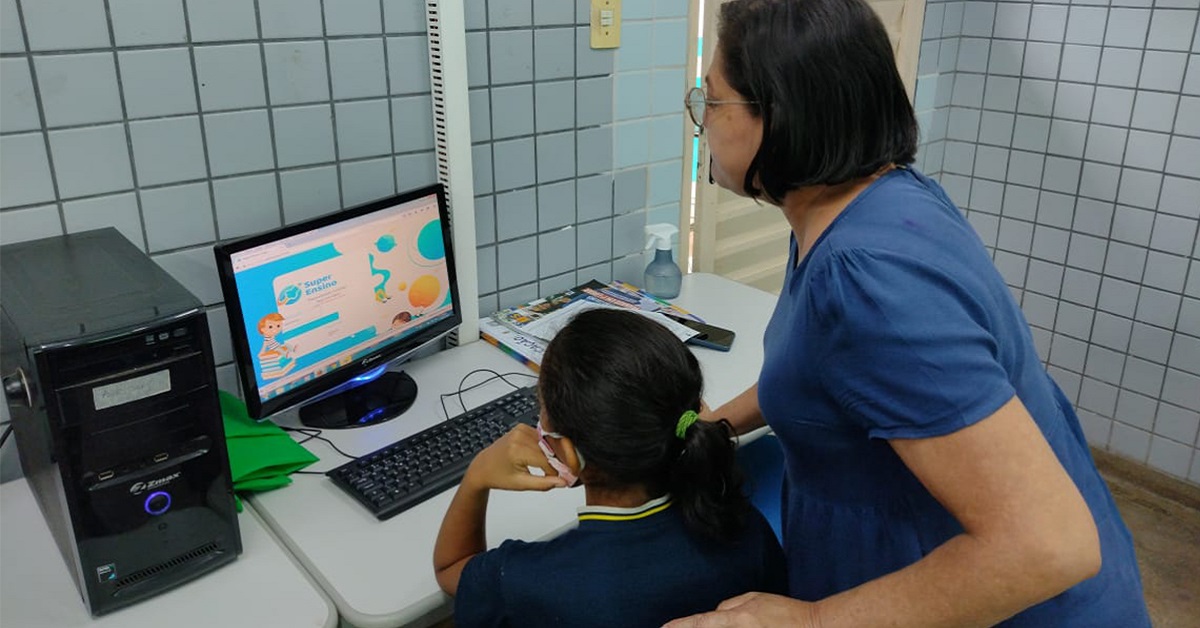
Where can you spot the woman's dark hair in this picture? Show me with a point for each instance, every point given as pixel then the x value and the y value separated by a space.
pixel 825 82
pixel 616 384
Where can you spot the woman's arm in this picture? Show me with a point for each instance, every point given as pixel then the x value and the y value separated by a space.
pixel 742 411
pixel 1028 536
pixel 504 465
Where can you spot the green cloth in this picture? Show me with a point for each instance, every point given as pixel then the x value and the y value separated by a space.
pixel 261 455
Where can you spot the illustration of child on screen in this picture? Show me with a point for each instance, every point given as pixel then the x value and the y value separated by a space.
pixel 274 358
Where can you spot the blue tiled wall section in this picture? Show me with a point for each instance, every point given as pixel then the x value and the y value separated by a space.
pixel 181 124
pixel 1069 133
pixel 559 130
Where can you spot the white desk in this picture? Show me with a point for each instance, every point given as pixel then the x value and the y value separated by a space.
pixel 262 588
pixel 380 574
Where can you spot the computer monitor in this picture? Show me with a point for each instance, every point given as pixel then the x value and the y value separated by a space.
pixel 319 309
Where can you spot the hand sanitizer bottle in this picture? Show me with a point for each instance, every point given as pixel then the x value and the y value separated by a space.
pixel 663 276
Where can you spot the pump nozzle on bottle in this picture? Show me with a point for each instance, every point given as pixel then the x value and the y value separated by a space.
pixel 663 277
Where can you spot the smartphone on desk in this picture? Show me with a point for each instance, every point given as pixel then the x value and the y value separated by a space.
pixel 710 336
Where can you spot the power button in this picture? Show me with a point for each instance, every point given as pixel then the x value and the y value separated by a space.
pixel 158 503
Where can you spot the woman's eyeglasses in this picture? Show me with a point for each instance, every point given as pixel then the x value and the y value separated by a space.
pixel 697 103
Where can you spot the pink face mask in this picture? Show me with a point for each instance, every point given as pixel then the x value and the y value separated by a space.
pixel 564 471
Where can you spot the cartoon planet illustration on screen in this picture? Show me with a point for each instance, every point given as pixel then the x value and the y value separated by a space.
pixel 427 250
pixel 424 291
pixel 385 243
pixel 402 286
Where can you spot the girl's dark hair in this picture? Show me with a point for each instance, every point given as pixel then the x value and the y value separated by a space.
pixel 825 82
pixel 616 384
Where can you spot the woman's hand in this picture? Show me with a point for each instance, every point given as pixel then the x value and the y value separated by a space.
pixel 505 464
pixel 753 610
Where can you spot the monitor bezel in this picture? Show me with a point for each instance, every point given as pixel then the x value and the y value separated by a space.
pixel 329 383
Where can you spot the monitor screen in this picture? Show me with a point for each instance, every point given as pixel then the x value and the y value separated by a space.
pixel 315 306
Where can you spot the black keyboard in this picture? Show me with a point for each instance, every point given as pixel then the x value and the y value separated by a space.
pixel 401 475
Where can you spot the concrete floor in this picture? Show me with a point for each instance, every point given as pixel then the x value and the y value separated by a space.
pixel 1163 514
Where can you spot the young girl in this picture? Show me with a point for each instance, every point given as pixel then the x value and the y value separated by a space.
pixel 666 530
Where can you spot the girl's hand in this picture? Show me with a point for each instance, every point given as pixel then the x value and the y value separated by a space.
pixel 753 610
pixel 505 464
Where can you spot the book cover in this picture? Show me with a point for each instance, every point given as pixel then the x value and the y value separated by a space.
pixel 524 348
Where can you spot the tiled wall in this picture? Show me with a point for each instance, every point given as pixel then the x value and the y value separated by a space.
pixel 184 123
pixel 575 149
pixel 1070 134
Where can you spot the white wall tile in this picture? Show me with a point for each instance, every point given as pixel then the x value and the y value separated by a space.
pixel 1113 106
pixel 119 211
pixel 1120 66
pixel 303 135
pixel 356 67
pixel 238 141
pixel 157 82
pixel 230 77
pixel 145 22
pixel 1179 197
pixel 1154 111
pixel 196 269
pixel 1085 25
pixel 364 181
pixel 309 193
pixel 290 18
pixel 1184 156
pixel 1127 27
pixel 91 160
pixel 1188 120
pixel 352 17
pixel 246 205
pixel 1012 20
pixel 1170 456
pixel 178 216
pixel 66 24
pixel 363 129
pixel 11 38
pixel 412 124
pixel 18 105
pixel 167 150
pixel 1146 150
pixel 415 170
pixel 29 224
pixel 296 72
pixel 1048 22
pixel 1163 70
pixel 222 20
pixel 408 64
pixel 78 88
pixel 1171 30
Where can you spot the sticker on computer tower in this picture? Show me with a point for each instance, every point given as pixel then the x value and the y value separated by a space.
pixel 106 573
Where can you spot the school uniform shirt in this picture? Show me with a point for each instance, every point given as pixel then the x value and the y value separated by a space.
pixel 898 325
pixel 623 567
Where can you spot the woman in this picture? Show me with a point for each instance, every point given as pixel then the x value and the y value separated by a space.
pixel 935 474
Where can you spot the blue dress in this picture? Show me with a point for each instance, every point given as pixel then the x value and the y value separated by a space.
pixel 897 325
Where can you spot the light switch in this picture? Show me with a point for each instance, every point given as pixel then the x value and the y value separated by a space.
pixel 606 23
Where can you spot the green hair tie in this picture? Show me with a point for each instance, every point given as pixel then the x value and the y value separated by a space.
pixel 685 422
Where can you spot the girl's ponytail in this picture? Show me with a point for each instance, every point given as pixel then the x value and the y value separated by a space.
pixel 705 481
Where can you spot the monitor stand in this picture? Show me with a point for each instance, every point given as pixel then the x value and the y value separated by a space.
pixel 381 399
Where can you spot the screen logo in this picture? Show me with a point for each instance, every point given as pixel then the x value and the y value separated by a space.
pixel 289 295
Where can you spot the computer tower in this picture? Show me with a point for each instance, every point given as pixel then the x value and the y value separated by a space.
pixel 108 375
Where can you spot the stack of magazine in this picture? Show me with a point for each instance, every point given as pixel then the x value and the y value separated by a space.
pixel 524 331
